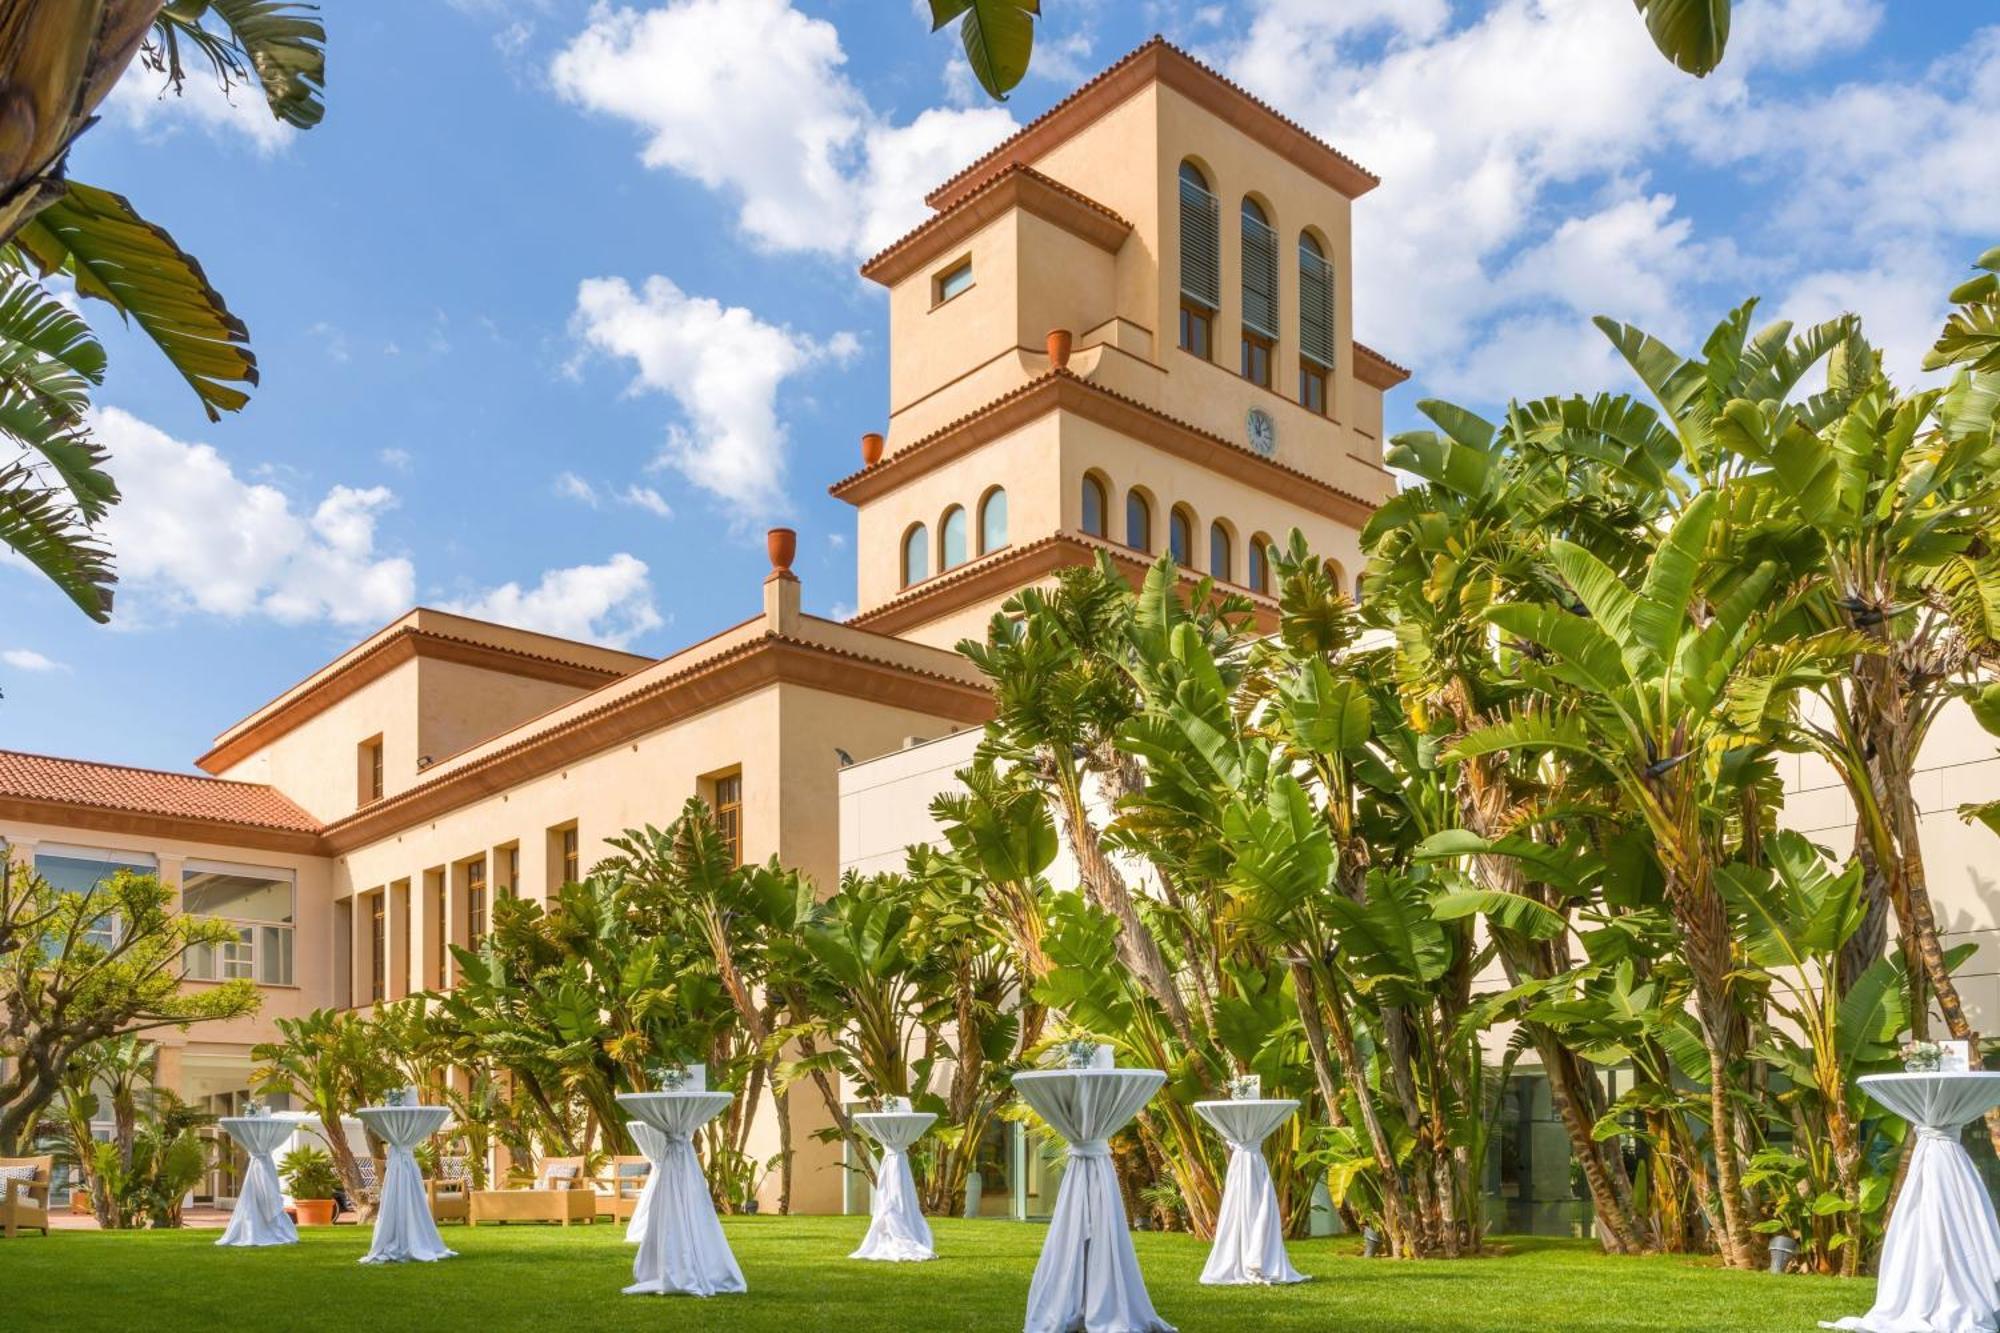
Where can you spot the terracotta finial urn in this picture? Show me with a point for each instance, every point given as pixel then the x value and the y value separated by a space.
pixel 782 544
pixel 1059 345
pixel 871 448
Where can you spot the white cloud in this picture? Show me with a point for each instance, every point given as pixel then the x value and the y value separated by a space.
pixel 572 487
pixel 398 459
pixel 1506 213
pixel 27 659
pixel 648 499
pixel 750 97
pixel 722 367
pixel 190 534
pixel 611 603
pixel 143 102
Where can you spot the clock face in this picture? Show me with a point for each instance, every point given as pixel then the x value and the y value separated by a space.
pixel 1263 432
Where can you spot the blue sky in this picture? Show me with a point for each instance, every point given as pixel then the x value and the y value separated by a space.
pixel 558 310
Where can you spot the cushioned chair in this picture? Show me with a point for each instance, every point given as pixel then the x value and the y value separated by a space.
pixel 618 1189
pixel 450 1191
pixel 561 1193
pixel 24 1194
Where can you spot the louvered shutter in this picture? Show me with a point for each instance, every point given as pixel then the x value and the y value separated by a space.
pixel 1260 278
pixel 1201 247
pixel 1315 308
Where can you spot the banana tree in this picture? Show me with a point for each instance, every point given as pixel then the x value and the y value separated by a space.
pixel 1672 689
pixel 63 58
pixel 331 1061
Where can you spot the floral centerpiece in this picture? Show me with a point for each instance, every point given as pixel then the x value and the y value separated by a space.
pixel 670 1077
pixel 1074 1053
pixel 1921 1057
pixel 1246 1088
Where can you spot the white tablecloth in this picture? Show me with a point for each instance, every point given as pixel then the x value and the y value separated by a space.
pixel 1088 1275
pixel 403 1226
pixel 897 1231
pixel 655 1147
pixel 1940 1270
pixel 1249 1233
pixel 259 1218
pixel 683 1248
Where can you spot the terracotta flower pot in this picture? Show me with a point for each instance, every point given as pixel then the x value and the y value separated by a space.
pixel 782 544
pixel 314 1212
pixel 871 449
pixel 1059 344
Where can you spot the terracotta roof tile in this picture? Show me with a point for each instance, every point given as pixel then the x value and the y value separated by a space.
pixel 1003 151
pixel 37 777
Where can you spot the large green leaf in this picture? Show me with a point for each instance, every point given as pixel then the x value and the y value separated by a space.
pixel 117 256
pixel 41 526
pixel 1971 337
pixel 999 37
pixel 48 362
pixel 1691 33
pixel 284 44
pixel 1509 911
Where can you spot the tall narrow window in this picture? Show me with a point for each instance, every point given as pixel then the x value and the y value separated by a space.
pixel 1095 506
pixel 1260 293
pixel 1138 522
pixel 1201 262
pixel 570 850
pixel 370 771
pixel 1219 562
pixel 475 903
pixel 1260 574
pixel 512 884
pixel 378 948
pixel 993 521
pixel 1315 324
pixel 441 950
pixel 916 555
pixel 1180 538
pixel 729 814
pixel 951 538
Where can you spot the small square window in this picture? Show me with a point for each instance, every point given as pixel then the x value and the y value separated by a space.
pixel 951 282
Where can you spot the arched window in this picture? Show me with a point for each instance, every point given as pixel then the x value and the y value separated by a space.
pixel 1260 572
pixel 1180 537
pixel 1260 293
pixel 993 521
pixel 1201 262
pixel 1337 576
pixel 1315 324
pixel 916 554
pixel 1138 521
pixel 1220 562
pixel 951 538
pixel 1096 508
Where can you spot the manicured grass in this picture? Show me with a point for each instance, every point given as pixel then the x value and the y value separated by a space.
pixel 522 1277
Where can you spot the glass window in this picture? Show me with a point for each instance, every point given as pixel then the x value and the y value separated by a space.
pixel 378 945
pixel 1256 361
pixel 952 281
pixel 1315 315
pixel 475 903
pixel 1094 506
pixel 512 860
pixel 993 521
pixel 729 814
pixel 1180 538
pixel 1197 331
pixel 1138 522
pixel 570 859
pixel 260 903
pixel 1219 562
pixel 916 555
pixel 1312 386
pixel 1260 578
pixel 1201 251
pixel 952 538
pixel 81 872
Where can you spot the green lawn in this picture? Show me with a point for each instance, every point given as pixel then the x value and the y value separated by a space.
pixel 522 1277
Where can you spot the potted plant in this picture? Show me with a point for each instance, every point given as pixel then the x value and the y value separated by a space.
pixel 310 1177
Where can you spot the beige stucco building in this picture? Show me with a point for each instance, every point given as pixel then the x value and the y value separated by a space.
pixel 1126 329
